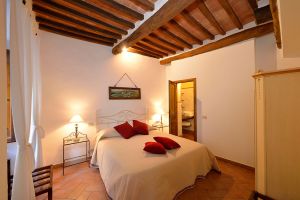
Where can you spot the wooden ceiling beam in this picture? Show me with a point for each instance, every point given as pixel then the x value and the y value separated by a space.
pixel 70 29
pixel 253 4
pixel 147 51
pixel 184 32
pixel 230 12
pixel 153 46
pixel 209 16
pixel 263 15
pixel 151 49
pixel 119 7
pixel 101 12
pixel 167 12
pixel 163 42
pixel 132 50
pixel 232 39
pixel 72 35
pixel 169 35
pixel 159 47
pixel 144 4
pixel 276 24
pixel 58 16
pixel 194 23
pixel 55 7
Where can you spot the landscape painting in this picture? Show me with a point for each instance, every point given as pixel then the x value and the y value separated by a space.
pixel 116 93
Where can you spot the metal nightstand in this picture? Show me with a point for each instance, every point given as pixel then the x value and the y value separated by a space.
pixel 160 126
pixel 70 140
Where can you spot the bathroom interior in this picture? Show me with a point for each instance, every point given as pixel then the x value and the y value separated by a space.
pixel 186 110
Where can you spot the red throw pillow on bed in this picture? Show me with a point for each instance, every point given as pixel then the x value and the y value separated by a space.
pixel 154 147
pixel 140 127
pixel 167 142
pixel 125 129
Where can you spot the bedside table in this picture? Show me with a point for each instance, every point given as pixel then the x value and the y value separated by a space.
pixel 72 141
pixel 160 126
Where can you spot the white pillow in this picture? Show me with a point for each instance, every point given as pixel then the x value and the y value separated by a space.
pixel 108 133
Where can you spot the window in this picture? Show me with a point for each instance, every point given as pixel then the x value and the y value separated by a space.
pixel 9 126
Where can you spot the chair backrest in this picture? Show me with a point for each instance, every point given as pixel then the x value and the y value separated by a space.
pixel 42 180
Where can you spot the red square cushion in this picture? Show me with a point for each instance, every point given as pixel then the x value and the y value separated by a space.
pixel 125 129
pixel 140 127
pixel 167 142
pixel 154 147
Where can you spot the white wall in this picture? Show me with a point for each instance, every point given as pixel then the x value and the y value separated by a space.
pixel 225 99
pixel 75 79
pixel 3 83
pixel 289 55
pixel 290 30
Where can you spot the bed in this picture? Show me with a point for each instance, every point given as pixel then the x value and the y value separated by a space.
pixel 128 172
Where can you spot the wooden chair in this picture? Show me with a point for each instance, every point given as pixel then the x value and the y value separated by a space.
pixel 42 180
pixel 258 196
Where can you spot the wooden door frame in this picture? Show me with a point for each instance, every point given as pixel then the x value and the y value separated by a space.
pixel 194 80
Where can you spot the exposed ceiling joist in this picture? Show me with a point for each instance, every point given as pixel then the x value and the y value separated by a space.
pixel 133 50
pixel 147 51
pixel 184 32
pixel 73 35
pixel 230 12
pixel 159 46
pixel 171 36
pixel 101 12
pixel 117 7
pixel 71 13
pixel 154 38
pixel 151 49
pixel 67 20
pixel 232 39
pixel 144 4
pixel 167 12
pixel 193 22
pixel 205 11
pixel 275 15
pixel 56 25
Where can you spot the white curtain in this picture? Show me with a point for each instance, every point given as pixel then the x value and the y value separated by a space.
pixel 21 96
pixel 37 132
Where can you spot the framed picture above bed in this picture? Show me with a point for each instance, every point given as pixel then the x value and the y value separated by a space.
pixel 117 93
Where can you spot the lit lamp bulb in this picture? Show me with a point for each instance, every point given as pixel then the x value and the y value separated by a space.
pixel 124 50
pixel 76 119
pixel 156 118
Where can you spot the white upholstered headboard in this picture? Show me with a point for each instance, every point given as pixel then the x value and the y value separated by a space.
pixel 106 120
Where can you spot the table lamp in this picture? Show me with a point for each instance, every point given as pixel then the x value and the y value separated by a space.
pixel 76 119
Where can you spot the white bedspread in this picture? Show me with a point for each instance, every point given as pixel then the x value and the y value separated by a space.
pixel 129 173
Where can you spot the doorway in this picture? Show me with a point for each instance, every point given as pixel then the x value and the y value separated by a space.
pixel 183 108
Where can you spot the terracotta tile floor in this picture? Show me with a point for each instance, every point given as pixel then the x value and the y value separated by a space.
pixel 81 182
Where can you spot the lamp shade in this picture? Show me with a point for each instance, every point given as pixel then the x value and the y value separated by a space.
pixel 76 119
